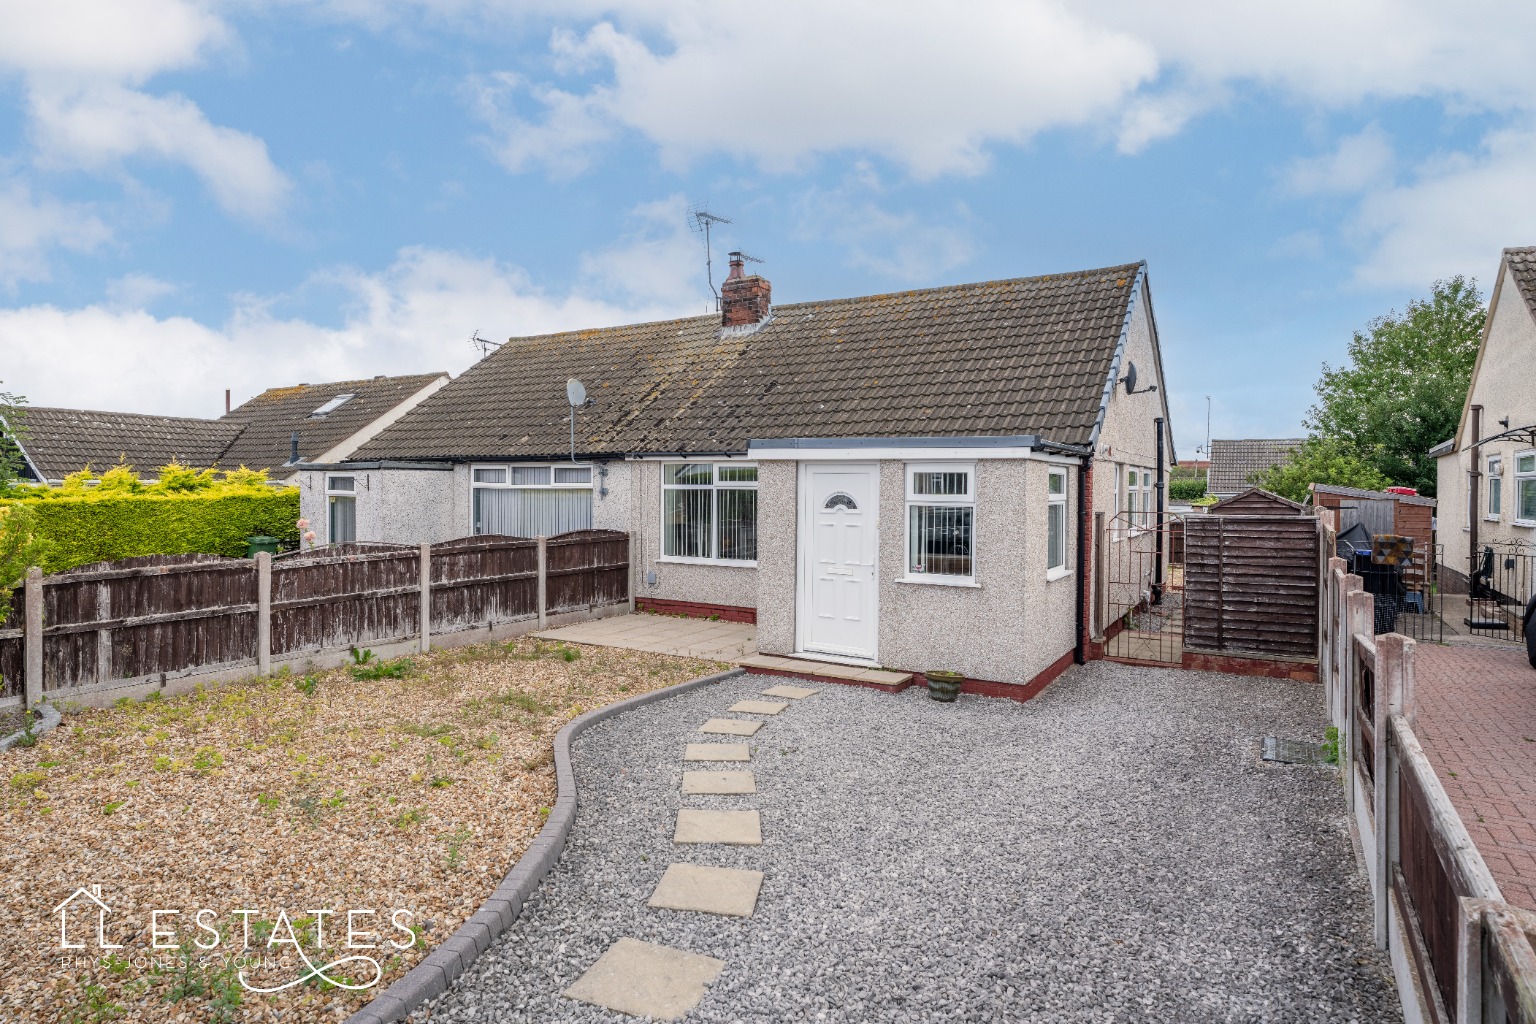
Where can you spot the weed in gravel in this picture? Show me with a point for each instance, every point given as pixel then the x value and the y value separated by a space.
pixel 543 759
pixel 487 741
pixel 96 1006
pixel 206 759
pixel 267 801
pixel 410 816
pixel 163 763
pixel 399 668
pixel 111 806
pixel 456 846
pixel 307 685
pixel 525 702
pixel 1331 745
pixel 441 781
pixel 23 781
pixel 28 737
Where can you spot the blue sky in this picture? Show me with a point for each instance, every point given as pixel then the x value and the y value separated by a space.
pixel 196 196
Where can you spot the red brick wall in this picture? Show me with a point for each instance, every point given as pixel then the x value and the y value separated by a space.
pixel 696 610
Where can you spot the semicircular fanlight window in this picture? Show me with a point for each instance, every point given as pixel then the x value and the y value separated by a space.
pixel 841 499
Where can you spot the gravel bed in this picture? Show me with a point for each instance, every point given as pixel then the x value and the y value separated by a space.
pixel 1111 851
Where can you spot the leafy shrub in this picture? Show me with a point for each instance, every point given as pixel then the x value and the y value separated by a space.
pixel 399 668
pixel 1185 490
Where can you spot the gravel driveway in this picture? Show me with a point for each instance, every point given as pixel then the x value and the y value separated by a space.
pixel 1111 851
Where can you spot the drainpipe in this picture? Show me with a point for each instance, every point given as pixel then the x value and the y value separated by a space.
pixel 1078 655
pixel 1157 574
pixel 1476 475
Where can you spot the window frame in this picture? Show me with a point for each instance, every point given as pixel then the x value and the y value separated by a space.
pixel 1521 478
pixel 506 484
pixel 332 492
pixel 1493 510
pixel 714 486
pixel 912 498
pixel 1052 502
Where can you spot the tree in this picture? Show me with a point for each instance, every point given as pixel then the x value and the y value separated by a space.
pixel 1403 388
pixel 1319 460
pixel 20 549
pixel 11 428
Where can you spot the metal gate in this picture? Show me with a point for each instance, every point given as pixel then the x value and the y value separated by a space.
pixel 1140 597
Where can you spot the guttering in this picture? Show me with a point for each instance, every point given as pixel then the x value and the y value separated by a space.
pixel 1114 364
pixel 1016 442
pixel 347 467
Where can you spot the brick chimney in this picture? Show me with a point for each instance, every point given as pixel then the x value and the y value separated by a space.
pixel 743 299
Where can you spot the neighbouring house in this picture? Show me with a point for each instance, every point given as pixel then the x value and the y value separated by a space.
pixel 897 480
pixel 1234 464
pixel 275 431
pixel 1486 473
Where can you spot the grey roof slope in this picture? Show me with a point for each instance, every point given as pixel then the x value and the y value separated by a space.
pixel 267 421
pixel 1522 266
pixel 1233 462
pixel 1020 356
pixel 1360 492
pixel 63 441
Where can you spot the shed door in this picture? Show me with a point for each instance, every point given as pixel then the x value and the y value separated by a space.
pixel 839 605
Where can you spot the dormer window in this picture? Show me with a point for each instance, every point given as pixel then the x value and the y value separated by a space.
pixel 331 406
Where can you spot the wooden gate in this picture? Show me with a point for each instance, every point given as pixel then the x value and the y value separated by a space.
pixel 1251 585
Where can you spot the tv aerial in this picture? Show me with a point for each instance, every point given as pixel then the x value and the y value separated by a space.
pixel 485 345
pixel 701 221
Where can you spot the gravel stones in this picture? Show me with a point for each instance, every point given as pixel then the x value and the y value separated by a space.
pixel 1113 850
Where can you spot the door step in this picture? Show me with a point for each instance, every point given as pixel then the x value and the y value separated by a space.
pixel 826 672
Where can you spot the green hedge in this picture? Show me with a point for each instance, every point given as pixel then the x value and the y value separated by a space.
pixel 1185 490
pixel 103 528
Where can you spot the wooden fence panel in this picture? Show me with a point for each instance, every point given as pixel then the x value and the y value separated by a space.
pixel 337 600
pixel 13 647
pixel 1431 892
pixel 1251 585
pixel 484 580
pixel 587 569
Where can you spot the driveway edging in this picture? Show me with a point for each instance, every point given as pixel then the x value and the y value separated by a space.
pixel 450 958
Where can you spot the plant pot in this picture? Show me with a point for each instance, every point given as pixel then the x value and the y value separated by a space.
pixel 944 686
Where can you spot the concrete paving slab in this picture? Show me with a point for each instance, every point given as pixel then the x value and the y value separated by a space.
pixel 700 783
pixel 647 980
pixel 717 752
pixel 792 692
pixel 759 707
pixel 734 828
pixel 730 727
pixel 731 892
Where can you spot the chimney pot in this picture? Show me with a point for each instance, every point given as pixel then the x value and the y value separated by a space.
pixel 744 300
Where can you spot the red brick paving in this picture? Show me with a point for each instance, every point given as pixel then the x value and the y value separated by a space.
pixel 1477 724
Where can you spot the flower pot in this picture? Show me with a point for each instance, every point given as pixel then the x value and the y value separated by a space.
pixel 944 686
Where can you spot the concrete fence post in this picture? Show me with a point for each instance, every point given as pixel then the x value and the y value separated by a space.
pixel 1389 702
pixel 426 598
pixel 103 636
pixel 543 582
pixel 33 693
pixel 1359 616
pixel 1469 961
pixel 263 613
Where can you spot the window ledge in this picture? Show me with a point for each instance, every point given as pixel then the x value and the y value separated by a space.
pixel 718 562
pixel 940 581
pixel 1052 575
pixel 1490 519
pixel 1527 523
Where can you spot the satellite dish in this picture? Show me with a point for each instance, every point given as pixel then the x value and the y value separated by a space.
pixel 575 392
pixel 1130 379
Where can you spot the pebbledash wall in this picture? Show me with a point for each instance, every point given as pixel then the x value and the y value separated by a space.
pixel 407 505
pixel 677 581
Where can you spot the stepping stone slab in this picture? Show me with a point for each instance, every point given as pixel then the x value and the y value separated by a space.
pixel 727 891
pixel 733 828
pixel 730 726
pixel 792 692
pixel 699 783
pixel 759 707
pixel 717 752
pixel 647 980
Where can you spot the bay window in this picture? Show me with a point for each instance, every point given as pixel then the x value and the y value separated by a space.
pixel 941 521
pixel 709 511
pixel 531 501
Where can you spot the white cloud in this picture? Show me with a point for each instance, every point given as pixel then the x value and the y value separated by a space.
pixel 127 39
pixel 32 225
pixel 902 245
pixel 414 316
pixel 1454 217
pixel 138 291
pixel 1359 162
pixel 98 125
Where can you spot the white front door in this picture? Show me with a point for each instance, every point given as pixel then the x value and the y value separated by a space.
pixel 838 591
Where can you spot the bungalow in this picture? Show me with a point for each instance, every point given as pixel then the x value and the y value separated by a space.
pixel 1486 473
pixel 1235 464
pixel 899 480
pixel 276 430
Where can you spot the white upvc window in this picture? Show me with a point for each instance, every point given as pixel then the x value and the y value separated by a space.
pixel 340 509
pixel 1138 498
pixel 1495 486
pixel 941 522
pixel 531 500
pixel 709 512
pixel 1525 488
pixel 1056 523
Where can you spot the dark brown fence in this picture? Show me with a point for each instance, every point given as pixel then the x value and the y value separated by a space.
pixel 1251 585
pixel 142 618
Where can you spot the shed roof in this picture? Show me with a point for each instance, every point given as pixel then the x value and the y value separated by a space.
pixel 1020 356
pixel 1256 501
pixel 1234 462
pixel 59 442
pixel 1360 492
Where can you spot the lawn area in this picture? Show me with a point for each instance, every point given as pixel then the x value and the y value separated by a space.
pixel 409 785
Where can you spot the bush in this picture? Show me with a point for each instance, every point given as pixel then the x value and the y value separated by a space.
pixel 1186 490
pixel 186 512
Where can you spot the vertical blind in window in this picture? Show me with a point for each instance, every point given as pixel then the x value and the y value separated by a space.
pixel 532 501
pixel 1056 520
pixel 343 519
pixel 940 522
pixel 709 511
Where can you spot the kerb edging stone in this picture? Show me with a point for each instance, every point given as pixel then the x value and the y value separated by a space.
pixel 435 973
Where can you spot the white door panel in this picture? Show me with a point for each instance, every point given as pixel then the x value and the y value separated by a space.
pixel 840 513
